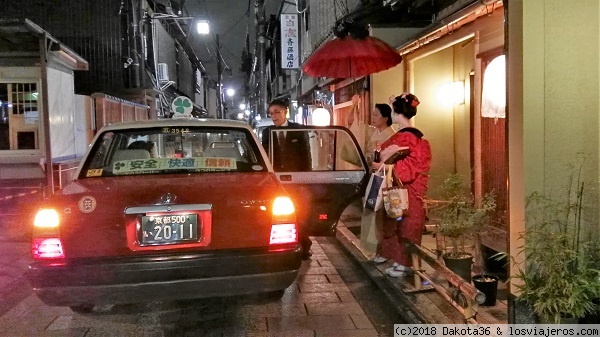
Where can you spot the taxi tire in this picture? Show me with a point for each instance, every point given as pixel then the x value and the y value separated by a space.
pixel 82 309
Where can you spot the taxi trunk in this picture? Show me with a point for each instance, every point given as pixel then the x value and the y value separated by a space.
pixel 122 216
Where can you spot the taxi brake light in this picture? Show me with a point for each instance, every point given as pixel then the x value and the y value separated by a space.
pixel 283 233
pixel 47 248
pixel 47 218
pixel 283 206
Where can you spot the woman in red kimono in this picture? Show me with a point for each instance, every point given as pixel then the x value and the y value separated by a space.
pixel 412 171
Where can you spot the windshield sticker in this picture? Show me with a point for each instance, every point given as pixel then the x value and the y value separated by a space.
pixel 159 164
pixel 94 173
pixel 108 136
pixel 87 204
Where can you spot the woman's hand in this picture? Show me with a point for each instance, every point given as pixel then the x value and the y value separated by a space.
pixel 355 107
pixel 376 165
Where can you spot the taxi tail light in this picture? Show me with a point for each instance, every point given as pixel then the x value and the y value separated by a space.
pixel 283 206
pixel 46 244
pixel 46 218
pixel 47 248
pixel 283 233
pixel 283 225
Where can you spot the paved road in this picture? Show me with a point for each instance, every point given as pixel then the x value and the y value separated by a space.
pixel 331 297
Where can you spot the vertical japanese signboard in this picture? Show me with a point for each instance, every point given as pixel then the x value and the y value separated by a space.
pixel 289 41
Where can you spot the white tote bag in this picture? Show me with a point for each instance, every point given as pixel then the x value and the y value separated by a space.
pixel 373 199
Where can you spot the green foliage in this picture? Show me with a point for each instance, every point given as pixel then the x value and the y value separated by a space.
pixel 559 277
pixel 459 215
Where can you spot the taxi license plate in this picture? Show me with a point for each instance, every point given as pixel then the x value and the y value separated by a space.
pixel 169 229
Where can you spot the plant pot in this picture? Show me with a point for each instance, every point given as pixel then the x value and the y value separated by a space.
pixel 460 265
pixel 488 285
pixel 564 319
pixel 592 317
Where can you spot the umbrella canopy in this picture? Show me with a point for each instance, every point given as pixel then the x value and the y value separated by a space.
pixel 350 57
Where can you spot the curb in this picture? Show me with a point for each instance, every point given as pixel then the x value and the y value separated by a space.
pixel 401 302
pixel 8 197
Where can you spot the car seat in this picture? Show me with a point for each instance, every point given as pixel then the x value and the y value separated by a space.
pixel 130 154
pixel 223 149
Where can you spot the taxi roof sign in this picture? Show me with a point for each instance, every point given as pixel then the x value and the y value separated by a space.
pixel 182 107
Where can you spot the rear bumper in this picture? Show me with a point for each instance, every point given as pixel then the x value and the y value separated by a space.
pixel 152 278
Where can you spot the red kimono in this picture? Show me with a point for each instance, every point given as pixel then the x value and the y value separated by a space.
pixel 412 171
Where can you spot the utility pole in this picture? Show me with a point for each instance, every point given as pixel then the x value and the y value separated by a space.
pixel 220 111
pixel 262 41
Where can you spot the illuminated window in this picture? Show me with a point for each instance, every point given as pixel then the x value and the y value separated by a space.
pixel 493 102
pixel 19 116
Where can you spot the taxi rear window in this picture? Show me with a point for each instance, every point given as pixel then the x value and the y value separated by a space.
pixel 167 150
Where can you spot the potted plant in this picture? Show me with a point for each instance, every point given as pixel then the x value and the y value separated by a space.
pixel 558 277
pixel 487 284
pixel 459 216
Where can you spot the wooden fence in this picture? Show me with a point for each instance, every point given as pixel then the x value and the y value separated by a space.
pixel 110 109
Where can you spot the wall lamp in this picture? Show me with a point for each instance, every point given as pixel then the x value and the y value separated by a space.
pixel 452 93
pixel 321 117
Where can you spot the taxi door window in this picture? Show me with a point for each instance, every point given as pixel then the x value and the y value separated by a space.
pixel 313 150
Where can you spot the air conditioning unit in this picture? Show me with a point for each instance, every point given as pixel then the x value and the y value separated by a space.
pixel 162 73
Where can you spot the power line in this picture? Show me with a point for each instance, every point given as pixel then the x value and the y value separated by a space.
pixel 235 24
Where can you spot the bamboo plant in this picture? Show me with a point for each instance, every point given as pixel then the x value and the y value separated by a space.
pixel 459 215
pixel 559 274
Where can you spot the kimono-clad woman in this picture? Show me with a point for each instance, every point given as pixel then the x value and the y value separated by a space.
pixel 371 221
pixel 412 170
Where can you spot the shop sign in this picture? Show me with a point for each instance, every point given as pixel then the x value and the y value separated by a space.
pixel 289 41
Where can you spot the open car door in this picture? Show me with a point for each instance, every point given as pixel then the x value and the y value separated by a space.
pixel 323 170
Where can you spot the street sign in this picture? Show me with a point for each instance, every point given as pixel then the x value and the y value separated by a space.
pixel 182 107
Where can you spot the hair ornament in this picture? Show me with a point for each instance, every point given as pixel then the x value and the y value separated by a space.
pixel 415 102
pixel 404 96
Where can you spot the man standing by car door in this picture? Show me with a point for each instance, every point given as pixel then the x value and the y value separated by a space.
pixel 291 153
pixel 291 150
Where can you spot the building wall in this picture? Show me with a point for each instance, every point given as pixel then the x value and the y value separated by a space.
pixel 186 78
pixel 464 62
pixel 91 28
pixel 561 99
pixel 165 50
pixel 435 119
pixel 387 83
pixel 82 128
pixel 553 109
pixel 323 15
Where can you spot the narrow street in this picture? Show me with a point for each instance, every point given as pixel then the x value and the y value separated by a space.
pixel 331 297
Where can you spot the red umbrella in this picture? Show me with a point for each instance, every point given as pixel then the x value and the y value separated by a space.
pixel 350 57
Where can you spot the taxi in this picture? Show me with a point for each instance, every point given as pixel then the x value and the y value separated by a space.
pixel 184 208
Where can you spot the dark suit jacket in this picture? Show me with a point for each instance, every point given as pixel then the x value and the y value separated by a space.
pixel 294 155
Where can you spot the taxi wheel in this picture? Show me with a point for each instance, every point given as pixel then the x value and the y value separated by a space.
pixel 82 309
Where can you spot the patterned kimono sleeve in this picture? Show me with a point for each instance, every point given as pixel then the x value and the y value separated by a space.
pixel 409 168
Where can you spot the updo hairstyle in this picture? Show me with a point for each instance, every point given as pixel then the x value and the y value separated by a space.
pixel 406 104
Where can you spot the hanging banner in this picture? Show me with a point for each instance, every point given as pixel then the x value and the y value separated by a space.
pixel 289 41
